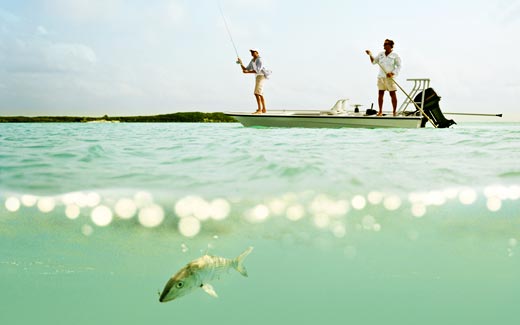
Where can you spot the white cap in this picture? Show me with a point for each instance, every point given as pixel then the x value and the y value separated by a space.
pixel 254 49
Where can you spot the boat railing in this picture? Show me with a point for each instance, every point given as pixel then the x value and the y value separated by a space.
pixel 419 85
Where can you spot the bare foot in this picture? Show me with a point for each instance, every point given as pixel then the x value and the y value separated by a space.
pixel 379 114
pixel 258 112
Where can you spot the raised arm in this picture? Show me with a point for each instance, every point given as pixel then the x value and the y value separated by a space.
pixel 244 69
pixel 370 55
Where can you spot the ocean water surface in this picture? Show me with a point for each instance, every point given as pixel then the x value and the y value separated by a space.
pixel 358 226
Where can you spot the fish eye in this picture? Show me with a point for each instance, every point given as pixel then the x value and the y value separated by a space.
pixel 180 285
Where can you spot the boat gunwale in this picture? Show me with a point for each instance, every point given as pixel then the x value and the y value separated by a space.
pixel 339 116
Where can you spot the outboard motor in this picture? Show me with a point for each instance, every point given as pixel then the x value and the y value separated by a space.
pixel 432 109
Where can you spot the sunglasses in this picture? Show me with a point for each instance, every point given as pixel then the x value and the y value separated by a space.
pixel 387 44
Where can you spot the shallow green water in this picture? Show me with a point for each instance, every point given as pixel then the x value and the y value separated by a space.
pixel 354 226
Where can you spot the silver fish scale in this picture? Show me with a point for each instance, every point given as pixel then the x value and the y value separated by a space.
pixel 212 267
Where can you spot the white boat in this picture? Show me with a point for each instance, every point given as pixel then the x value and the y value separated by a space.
pixel 339 117
pixel 324 119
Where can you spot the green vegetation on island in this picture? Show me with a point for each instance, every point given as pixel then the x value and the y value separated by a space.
pixel 187 117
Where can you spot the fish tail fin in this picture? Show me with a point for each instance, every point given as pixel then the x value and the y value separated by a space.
pixel 238 262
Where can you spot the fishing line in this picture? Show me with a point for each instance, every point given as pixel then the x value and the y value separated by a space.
pixel 227 28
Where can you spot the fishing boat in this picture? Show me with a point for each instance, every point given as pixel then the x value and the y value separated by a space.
pixel 324 119
pixel 425 104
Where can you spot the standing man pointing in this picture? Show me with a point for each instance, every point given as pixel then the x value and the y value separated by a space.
pixel 256 66
pixel 390 65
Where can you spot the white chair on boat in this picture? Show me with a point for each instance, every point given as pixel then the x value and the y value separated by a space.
pixel 340 107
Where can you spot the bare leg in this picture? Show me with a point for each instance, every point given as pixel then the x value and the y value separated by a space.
pixel 262 100
pixel 380 102
pixel 258 103
pixel 394 101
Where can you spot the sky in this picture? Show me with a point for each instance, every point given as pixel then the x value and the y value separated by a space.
pixel 144 57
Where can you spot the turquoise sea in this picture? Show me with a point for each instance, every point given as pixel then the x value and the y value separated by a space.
pixel 350 226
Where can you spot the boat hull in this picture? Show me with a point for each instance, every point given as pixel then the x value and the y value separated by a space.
pixel 326 121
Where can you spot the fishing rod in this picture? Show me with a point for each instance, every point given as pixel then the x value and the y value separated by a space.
pixel 475 114
pixel 227 29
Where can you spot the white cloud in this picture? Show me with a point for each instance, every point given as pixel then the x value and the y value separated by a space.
pixel 24 51
pixel 68 57
pixel 33 56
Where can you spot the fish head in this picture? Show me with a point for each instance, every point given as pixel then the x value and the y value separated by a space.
pixel 179 285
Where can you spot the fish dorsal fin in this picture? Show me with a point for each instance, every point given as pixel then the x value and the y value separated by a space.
pixel 209 289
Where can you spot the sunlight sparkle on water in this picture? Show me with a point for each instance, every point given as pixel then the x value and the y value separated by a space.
pixel 12 204
pixel 375 197
pixel 322 204
pixel 185 207
pixel 358 202
pixel 219 209
pixel 277 206
pixel 189 226
pixel 46 204
pixel 467 196
pixel 72 211
pixel 450 193
pixel 93 199
pixel 201 210
pixel 125 208
pixel 77 198
pixel 514 192
pixel 418 210
pixel 151 216
pixel 497 191
pixel 494 204
pixel 295 212
pixel 101 216
pixel 143 199
pixel 392 202
pixel 258 214
pixel 436 198
pixel 29 200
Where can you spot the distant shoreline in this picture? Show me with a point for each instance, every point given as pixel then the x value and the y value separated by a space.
pixel 186 117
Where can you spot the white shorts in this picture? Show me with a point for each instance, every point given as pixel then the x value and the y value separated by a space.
pixel 259 84
pixel 386 84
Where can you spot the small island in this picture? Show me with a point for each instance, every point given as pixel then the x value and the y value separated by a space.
pixel 186 117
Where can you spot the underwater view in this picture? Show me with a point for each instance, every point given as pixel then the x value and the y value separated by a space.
pixel 284 226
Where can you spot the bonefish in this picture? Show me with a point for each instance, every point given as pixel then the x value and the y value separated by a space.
pixel 198 273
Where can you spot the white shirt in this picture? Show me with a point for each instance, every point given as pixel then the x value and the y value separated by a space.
pixel 390 62
pixel 258 67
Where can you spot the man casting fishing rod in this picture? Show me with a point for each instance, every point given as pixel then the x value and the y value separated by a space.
pixel 390 64
pixel 256 66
